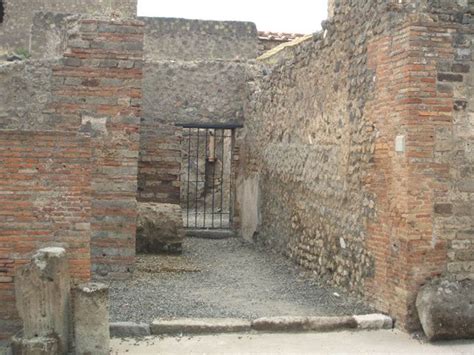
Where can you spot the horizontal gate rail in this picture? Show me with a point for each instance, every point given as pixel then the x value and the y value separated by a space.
pixel 210 125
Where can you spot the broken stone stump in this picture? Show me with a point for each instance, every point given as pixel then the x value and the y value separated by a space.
pixel 42 290
pixel 159 228
pixel 446 309
pixel 91 319
pixel 35 346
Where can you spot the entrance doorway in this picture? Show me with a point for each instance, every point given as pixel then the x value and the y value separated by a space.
pixel 207 176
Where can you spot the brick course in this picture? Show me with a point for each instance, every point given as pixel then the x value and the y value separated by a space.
pixel 45 193
pixel 99 82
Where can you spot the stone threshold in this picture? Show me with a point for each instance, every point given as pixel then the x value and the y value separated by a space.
pixel 199 326
pixel 211 233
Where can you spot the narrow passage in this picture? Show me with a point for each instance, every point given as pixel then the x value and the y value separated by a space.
pixel 224 278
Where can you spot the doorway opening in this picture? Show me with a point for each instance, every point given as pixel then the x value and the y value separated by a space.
pixel 207 176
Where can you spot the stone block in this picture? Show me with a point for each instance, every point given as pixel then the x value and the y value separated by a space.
pixel 199 326
pixel 159 228
pixel 446 309
pixel 42 290
pixel 443 208
pixel 374 321
pixel 91 319
pixel 129 329
pixel 289 324
pixel 35 346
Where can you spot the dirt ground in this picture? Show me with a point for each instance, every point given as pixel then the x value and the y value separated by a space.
pixel 224 278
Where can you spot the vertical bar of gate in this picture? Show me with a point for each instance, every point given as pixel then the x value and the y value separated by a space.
pixel 231 179
pixel 197 180
pixel 189 175
pixel 222 174
pixel 205 180
pixel 214 178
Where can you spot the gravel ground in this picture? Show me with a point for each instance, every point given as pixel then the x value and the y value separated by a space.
pixel 224 278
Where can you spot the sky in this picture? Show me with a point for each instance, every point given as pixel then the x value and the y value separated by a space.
pixel 295 16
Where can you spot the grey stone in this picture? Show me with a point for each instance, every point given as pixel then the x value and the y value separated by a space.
pixel 159 228
pixel 286 324
pixel 199 326
pixel 91 319
pixel 211 233
pixel 374 321
pixel 446 309
pixel 42 290
pixel 129 329
pixel 35 346
pixel 193 40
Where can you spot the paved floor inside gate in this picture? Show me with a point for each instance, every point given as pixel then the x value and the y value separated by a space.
pixel 224 278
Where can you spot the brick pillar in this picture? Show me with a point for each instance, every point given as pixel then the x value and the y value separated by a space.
pixel 100 83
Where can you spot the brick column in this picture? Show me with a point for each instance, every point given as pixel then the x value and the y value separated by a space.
pixel 99 84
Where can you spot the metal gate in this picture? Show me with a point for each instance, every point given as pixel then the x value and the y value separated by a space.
pixel 207 186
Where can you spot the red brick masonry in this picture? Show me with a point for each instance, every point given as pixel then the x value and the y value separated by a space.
pixel 45 196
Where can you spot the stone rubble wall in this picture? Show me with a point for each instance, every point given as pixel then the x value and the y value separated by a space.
pixel 322 120
pixel 45 193
pixel 16 29
pixel 190 40
pixel 194 91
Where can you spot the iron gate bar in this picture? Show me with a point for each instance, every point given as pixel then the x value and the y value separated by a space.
pixel 215 144
pixel 205 180
pixel 187 190
pixel 213 179
pixel 197 180
pixel 222 177
pixel 231 197
pixel 211 125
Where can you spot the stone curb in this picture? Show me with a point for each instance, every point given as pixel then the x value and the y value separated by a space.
pixel 129 329
pixel 267 324
pixel 199 326
pixel 322 324
pixel 374 321
pixel 301 324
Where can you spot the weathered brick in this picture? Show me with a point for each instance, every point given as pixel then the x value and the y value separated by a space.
pixel 445 209
pixel 56 201
pixel 450 77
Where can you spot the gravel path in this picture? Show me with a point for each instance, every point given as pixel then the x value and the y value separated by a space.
pixel 224 278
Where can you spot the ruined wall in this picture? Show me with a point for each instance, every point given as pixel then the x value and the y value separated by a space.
pixel 189 92
pixel 45 193
pixel 182 39
pixel 95 87
pixel 192 77
pixel 69 154
pixel 319 150
pixel 26 93
pixel 16 28
pixel 200 91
